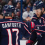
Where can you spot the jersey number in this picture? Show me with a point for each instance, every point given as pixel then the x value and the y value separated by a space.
pixel 10 36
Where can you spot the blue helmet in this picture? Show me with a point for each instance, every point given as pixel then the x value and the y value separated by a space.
pixel 38 4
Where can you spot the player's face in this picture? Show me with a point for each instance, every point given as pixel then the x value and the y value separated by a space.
pixel 38 12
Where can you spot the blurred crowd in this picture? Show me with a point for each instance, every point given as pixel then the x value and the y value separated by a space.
pixel 14 6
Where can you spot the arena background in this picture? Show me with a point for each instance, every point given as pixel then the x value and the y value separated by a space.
pixel 4 2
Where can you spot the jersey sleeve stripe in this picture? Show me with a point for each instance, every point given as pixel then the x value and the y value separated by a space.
pixel 11 21
pixel 27 30
pixel 39 30
pixel 40 25
pixel 26 25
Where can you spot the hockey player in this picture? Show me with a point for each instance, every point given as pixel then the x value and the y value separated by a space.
pixel 39 20
pixel 40 4
pixel 10 30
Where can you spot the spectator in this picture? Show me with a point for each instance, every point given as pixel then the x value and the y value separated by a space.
pixel 27 15
pixel 3 3
pixel 17 16
pixel 18 6
pixel 31 7
pixel 17 10
pixel 26 3
pixel 15 2
pixel 8 7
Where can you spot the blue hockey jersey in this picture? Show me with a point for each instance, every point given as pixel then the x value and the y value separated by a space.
pixel 10 30
pixel 40 23
pixel 40 28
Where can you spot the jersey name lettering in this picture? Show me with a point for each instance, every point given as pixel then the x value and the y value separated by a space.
pixel 7 25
